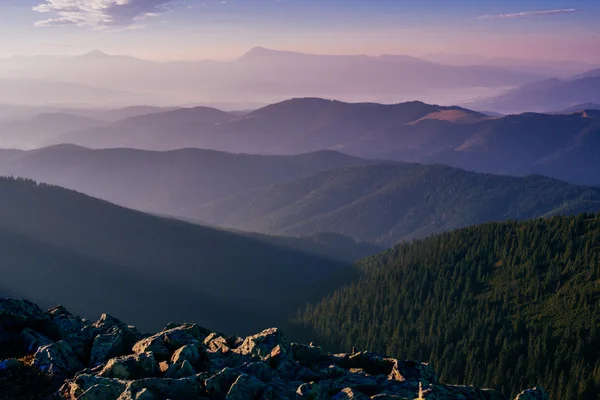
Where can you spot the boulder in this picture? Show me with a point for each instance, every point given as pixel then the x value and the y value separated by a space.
pixel 413 371
pixel 33 340
pixel 216 343
pixel 265 345
pixel 107 346
pixel 164 343
pixel 245 387
pixel 62 323
pixel 307 354
pixel 182 369
pixel 74 388
pixel 57 359
pixel 136 366
pixel 162 388
pixel 20 314
pixel 536 393
pixel 143 394
pixel 349 393
pixel 219 384
pixel 101 392
pixel 192 353
pixel 310 391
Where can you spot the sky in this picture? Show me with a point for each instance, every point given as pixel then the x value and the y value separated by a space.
pixel 168 30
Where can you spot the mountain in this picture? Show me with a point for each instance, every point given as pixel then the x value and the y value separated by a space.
pixel 544 96
pixel 593 73
pixel 265 76
pixel 498 305
pixel 163 182
pixel 62 246
pixel 391 203
pixel 29 132
pixel 186 361
pixel 292 126
pixel 556 68
pixel 579 108
pixel 560 146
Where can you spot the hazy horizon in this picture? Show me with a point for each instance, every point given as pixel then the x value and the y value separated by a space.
pixel 168 30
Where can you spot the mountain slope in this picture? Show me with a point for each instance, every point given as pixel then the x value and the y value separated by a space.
pixel 560 146
pixel 263 75
pixel 163 182
pixel 545 96
pixel 390 203
pixel 579 108
pixel 53 236
pixel 42 128
pixel 502 305
pixel 289 127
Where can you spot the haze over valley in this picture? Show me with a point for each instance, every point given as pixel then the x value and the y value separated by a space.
pixel 412 188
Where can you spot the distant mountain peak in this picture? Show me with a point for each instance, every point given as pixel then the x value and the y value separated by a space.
pixel 96 54
pixel 261 52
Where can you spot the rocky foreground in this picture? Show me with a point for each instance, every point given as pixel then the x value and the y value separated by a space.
pixel 57 355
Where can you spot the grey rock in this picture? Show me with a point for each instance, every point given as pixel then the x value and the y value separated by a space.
pixel 136 366
pixel 57 359
pixel 20 314
pixel 162 388
pixel 107 346
pixel 163 344
pixel 74 388
pixel 143 394
pixel 310 391
pixel 307 354
pixel 62 323
pixel 536 393
pixel 33 340
pixel 263 345
pixel 181 369
pixel 219 384
pixel 101 392
pixel 349 393
pixel 245 387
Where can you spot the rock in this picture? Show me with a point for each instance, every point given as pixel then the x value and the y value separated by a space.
pixel 74 388
pixel 217 343
pixel 264 344
pixel 20 314
pixel 143 394
pixel 101 392
pixel 192 353
pixel 11 363
pixel 188 362
pixel 181 369
pixel 413 371
pixel 107 346
pixel 310 391
pixel 57 359
pixel 219 384
pixel 62 323
pixel 33 340
pixel 162 388
pixel 349 393
pixel 307 354
pixel 245 387
pixel 136 366
pixel 536 393
pixel 164 343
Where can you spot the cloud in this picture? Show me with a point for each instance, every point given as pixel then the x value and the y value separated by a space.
pixel 99 14
pixel 530 14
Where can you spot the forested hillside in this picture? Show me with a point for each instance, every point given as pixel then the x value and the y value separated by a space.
pixel 504 305
pixel 389 203
pixel 60 246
